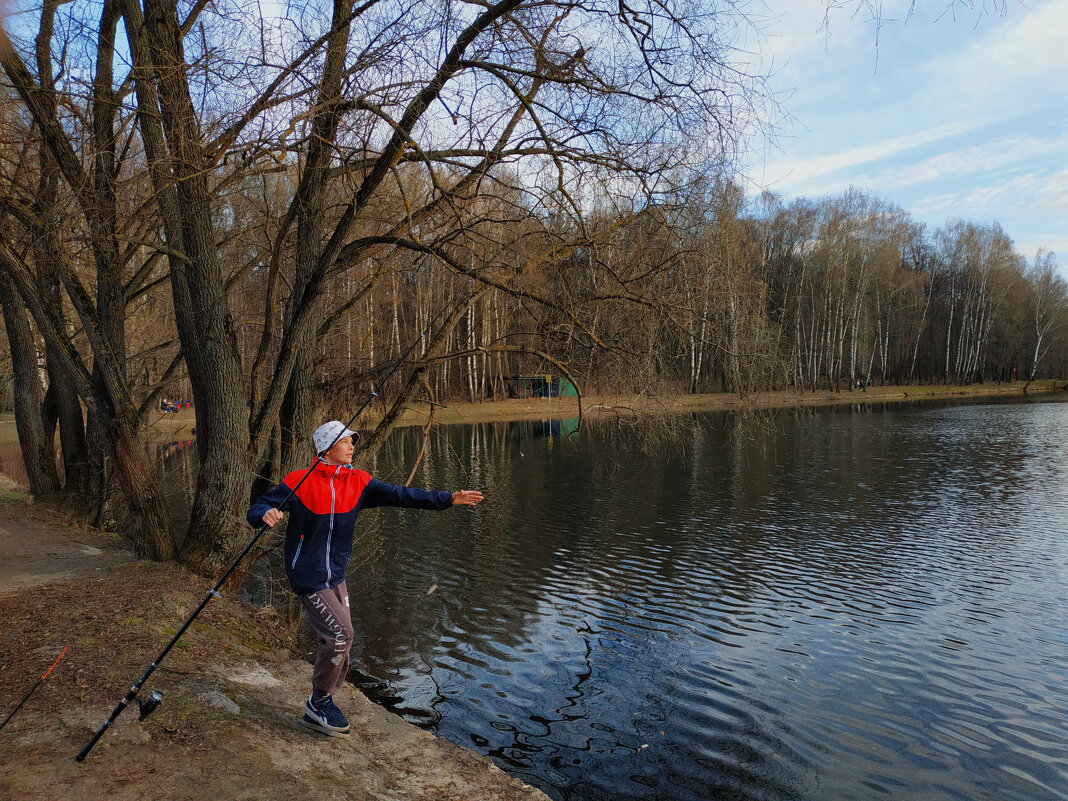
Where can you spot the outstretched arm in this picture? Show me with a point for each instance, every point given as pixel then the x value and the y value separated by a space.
pixel 381 493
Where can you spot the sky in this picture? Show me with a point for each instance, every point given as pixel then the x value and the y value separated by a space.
pixel 952 112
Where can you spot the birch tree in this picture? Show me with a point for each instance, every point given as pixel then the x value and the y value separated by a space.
pixel 1048 295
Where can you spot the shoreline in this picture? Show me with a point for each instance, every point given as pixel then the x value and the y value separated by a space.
pixel 234 688
pixel 632 406
pixel 644 405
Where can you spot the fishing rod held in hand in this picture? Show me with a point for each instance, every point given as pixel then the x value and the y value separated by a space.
pixel 33 689
pixel 147 707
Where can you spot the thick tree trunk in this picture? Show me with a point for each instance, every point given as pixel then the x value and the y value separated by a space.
pixel 103 322
pixel 299 408
pixel 301 399
pixel 63 407
pixel 136 474
pixel 101 480
pixel 38 454
pixel 204 325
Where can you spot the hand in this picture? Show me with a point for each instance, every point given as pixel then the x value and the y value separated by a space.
pixel 465 498
pixel 272 516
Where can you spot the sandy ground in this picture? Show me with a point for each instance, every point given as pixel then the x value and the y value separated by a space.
pixel 228 727
pixel 33 552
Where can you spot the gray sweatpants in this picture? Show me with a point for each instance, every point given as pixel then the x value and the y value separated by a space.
pixel 328 614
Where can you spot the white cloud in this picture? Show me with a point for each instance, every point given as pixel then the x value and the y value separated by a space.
pixel 795 174
pixel 964 117
pixel 986 157
pixel 1028 246
pixel 1020 65
pixel 802 29
pixel 1039 193
pixel 1029 45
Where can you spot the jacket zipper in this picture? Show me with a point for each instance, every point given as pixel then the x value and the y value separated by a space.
pixel 330 531
pixel 296 556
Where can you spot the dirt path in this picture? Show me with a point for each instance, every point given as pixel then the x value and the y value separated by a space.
pixel 33 552
pixel 254 749
pixel 228 727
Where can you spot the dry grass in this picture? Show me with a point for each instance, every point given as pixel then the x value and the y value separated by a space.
pixel 644 404
pixel 115 625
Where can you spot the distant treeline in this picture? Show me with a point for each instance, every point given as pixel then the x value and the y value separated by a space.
pixel 718 293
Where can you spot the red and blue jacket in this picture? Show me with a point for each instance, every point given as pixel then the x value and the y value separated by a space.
pixel 322 518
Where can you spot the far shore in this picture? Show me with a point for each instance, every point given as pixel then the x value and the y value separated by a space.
pixel 646 404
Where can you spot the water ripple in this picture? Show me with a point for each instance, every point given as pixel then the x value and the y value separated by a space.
pixel 848 606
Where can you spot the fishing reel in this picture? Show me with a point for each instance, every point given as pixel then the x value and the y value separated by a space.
pixel 149 706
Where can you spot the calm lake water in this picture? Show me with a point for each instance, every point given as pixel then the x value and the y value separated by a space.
pixel 849 603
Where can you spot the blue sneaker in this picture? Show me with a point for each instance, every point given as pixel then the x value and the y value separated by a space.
pixel 322 714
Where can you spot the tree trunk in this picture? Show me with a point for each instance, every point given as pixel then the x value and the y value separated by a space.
pixel 301 401
pixel 216 524
pixel 38 454
pixel 920 328
pixel 63 407
pixel 103 323
pixel 61 404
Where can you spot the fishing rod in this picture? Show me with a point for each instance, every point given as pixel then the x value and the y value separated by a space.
pixel 147 707
pixel 33 689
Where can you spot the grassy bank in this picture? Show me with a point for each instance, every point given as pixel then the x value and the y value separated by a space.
pixel 648 404
pixel 178 426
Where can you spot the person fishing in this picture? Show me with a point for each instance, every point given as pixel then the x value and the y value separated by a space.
pixel 318 544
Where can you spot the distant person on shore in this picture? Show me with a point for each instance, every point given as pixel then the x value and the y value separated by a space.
pixel 318 544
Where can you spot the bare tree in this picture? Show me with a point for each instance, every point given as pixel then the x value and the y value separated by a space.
pixel 393 122
pixel 1049 302
pixel 106 389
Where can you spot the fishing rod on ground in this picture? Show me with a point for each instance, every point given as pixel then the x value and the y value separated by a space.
pixel 147 707
pixel 33 689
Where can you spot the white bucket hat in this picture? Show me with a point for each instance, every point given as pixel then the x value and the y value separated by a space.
pixel 329 433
